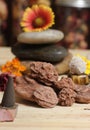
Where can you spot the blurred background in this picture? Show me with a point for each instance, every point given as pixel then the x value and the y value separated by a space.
pixel 71 16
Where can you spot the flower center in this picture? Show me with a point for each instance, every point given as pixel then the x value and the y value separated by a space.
pixel 39 22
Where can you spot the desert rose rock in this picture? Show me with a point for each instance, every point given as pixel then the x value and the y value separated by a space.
pixel 43 72
pixel 31 90
pixel 46 97
pixel 83 94
pixel 66 97
pixel 44 37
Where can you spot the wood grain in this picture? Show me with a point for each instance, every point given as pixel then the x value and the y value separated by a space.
pixel 32 117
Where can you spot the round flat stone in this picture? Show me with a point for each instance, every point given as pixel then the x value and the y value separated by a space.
pixel 44 37
pixel 48 53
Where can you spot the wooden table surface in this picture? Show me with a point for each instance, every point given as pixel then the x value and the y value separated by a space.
pixel 32 117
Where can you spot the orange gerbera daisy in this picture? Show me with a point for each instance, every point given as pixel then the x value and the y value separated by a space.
pixel 13 67
pixel 37 18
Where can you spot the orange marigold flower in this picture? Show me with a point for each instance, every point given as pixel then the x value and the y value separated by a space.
pixel 37 18
pixel 13 67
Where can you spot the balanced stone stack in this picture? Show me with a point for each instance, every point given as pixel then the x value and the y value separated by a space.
pixel 40 46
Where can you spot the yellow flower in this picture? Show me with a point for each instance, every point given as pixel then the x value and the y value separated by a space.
pixel 13 67
pixel 37 18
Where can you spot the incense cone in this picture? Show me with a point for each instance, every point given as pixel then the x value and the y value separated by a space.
pixel 8 108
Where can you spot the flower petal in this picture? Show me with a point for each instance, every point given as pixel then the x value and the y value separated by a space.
pixel 43 13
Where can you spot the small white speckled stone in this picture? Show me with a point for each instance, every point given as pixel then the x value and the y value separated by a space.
pixel 77 65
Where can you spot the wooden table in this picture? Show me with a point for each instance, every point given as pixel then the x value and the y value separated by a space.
pixel 32 117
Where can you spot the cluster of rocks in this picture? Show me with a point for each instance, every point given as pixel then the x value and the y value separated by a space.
pixel 45 59
pixel 41 85
pixel 42 46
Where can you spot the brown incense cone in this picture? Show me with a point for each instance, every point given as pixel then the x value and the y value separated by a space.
pixel 8 108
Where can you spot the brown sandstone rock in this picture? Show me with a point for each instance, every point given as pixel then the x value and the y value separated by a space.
pixel 46 97
pixel 62 67
pixel 31 90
